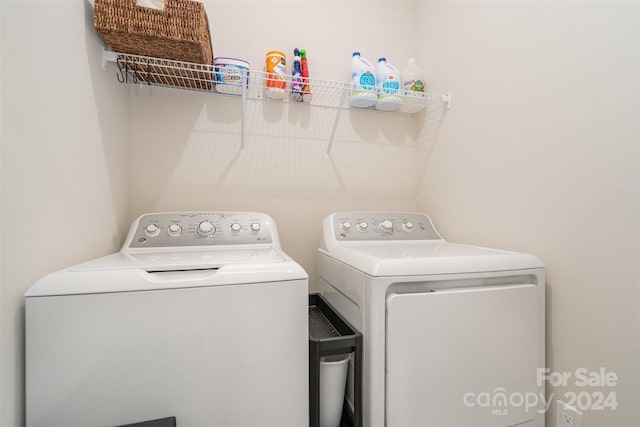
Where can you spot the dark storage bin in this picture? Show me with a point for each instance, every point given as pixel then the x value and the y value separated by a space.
pixel 163 422
pixel 330 334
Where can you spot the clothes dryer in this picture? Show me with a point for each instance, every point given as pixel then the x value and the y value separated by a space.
pixel 201 316
pixel 453 334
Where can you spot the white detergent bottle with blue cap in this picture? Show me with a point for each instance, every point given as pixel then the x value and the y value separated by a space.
pixel 363 83
pixel 389 97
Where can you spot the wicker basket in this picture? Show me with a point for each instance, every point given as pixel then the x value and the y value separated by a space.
pixel 180 32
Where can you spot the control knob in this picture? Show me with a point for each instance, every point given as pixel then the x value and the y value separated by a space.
pixel 152 230
pixel 385 226
pixel 363 226
pixel 407 226
pixel 346 226
pixel 205 228
pixel 235 227
pixel 255 227
pixel 174 230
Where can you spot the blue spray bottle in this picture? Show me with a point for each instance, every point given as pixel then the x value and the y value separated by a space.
pixel 296 80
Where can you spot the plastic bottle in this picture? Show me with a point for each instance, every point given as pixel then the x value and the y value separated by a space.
pixel 363 83
pixel 296 79
pixel 306 89
pixel 413 86
pixel 276 67
pixel 388 86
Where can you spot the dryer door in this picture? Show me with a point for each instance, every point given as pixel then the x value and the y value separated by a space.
pixel 465 356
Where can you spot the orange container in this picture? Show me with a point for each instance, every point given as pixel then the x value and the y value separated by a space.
pixel 276 70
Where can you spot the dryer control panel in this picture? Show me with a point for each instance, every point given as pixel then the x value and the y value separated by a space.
pixel 377 226
pixel 162 230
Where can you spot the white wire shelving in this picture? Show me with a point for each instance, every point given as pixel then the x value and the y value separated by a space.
pixel 143 70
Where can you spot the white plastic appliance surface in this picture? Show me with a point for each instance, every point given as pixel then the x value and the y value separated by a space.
pixel 407 244
pixel 200 316
pixel 487 344
pixel 428 308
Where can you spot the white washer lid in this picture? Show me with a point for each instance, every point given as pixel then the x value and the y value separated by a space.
pixel 166 259
pixel 182 269
pixel 427 257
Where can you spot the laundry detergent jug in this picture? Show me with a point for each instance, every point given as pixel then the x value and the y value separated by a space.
pixel 414 87
pixel 388 77
pixel 363 83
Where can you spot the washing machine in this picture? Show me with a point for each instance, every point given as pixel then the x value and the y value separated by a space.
pixel 453 334
pixel 200 316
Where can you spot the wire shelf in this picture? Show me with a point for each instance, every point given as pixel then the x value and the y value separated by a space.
pixel 253 85
pixel 137 69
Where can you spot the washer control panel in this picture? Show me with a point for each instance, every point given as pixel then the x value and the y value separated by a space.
pixel 376 226
pixel 159 230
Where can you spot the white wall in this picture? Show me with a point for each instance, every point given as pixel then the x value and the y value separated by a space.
pixel 64 162
pixel 185 146
pixel 540 154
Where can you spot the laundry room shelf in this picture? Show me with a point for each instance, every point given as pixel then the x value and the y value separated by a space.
pixel 144 70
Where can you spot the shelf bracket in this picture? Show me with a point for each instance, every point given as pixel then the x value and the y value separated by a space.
pixel 108 56
pixel 335 122
pixel 245 85
pixel 447 99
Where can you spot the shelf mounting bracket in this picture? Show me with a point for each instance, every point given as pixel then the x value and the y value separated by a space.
pixel 335 122
pixel 245 84
pixel 108 56
pixel 447 99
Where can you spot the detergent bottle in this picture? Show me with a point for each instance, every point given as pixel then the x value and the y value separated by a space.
pixel 414 87
pixel 388 76
pixel 363 83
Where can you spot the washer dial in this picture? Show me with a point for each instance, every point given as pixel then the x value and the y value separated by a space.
pixel 174 230
pixel 363 226
pixel 385 226
pixel 205 228
pixel 151 230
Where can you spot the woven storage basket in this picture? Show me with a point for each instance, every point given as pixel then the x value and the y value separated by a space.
pixel 180 32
